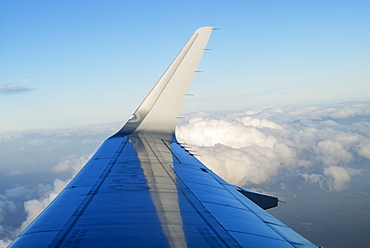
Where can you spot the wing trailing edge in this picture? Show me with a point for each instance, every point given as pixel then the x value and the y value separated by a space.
pixel 158 112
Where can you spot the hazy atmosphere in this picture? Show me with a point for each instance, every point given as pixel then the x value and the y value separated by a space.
pixel 281 107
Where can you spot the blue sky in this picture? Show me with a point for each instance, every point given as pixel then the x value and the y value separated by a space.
pixel 75 63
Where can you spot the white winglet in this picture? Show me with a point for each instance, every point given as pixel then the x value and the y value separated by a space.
pixel 158 112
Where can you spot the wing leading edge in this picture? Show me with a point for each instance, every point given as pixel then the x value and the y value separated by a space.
pixel 144 189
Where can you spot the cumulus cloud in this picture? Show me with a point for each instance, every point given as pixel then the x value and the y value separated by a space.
pixel 72 164
pixel 339 177
pixel 320 144
pixel 208 131
pixel 335 178
pixel 260 123
pixel 240 166
pixel 34 207
pixel 332 153
pixel 242 149
pixel 314 179
pixel 4 243
pixel 364 149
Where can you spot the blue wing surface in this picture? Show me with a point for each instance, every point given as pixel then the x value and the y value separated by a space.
pixel 142 188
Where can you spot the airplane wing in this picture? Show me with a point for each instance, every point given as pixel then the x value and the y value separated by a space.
pixel 142 188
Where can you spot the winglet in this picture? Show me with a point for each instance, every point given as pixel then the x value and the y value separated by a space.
pixel 158 112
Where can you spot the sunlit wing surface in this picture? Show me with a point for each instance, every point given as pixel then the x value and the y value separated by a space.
pixel 144 189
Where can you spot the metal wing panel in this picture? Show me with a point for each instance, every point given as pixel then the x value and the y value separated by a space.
pixel 280 228
pixel 243 219
pixel 134 199
pixel 240 220
pixel 255 241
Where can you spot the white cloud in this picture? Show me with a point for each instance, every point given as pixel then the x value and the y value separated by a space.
pixel 339 177
pixel 240 166
pixel 72 164
pixel 4 243
pixel 314 178
pixel 332 153
pixel 335 178
pixel 34 207
pixel 364 149
pixel 252 147
pixel 330 123
pixel 260 123
pixel 206 131
pixel 242 149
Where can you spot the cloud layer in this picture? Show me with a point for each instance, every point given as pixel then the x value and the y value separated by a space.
pixel 316 148
pixel 323 145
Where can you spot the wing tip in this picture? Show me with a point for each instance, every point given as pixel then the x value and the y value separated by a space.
pixel 204 28
pixel 158 111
